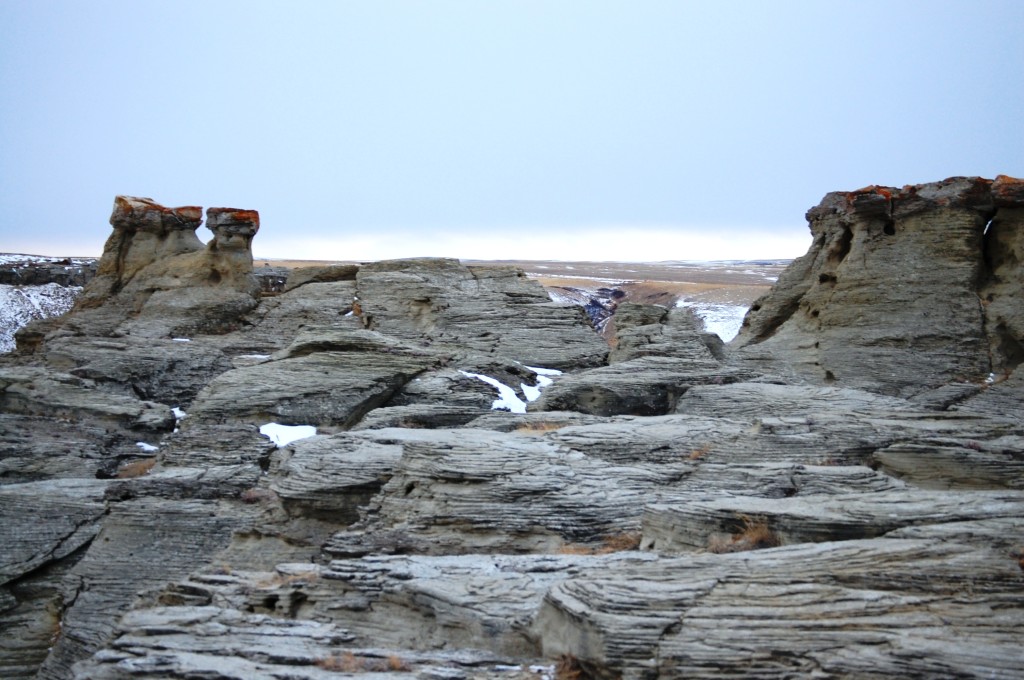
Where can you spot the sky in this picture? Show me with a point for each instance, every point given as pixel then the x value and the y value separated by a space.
pixel 573 130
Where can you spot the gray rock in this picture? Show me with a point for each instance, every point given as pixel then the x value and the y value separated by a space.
pixel 902 291
pixel 301 276
pixel 36 391
pixel 158 369
pixel 483 310
pixel 325 378
pixel 647 386
pixel 729 524
pixel 853 608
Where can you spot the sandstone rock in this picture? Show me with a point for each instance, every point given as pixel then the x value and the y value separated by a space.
pixel 46 521
pixel 177 536
pixel 646 386
pixel 159 369
pixel 300 276
pixel 484 310
pixel 36 392
pixel 156 278
pixel 854 608
pixel 903 290
pixel 428 416
pixel 643 330
pixel 325 378
pixel 40 447
pixel 720 524
pixel 276 321
pixel 421 530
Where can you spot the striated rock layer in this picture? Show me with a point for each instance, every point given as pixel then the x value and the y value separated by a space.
pixel 903 291
pixel 838 494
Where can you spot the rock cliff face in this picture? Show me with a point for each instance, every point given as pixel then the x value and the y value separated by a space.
pixel 903 291
pixel 666 508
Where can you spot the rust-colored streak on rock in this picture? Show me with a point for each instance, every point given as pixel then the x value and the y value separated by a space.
pixel 233 216
pixel 135 214
pixel 1008 192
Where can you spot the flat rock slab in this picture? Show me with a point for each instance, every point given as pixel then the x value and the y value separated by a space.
pixel 42 522
pixel 456 612
pixel 160 369
pixel 328 378
pixel 720 524
pixel 332 477
pixel 995 463
pixel 37 391
pixel 867 608
pixel 646 386
pixel 37 448
pixel 488 310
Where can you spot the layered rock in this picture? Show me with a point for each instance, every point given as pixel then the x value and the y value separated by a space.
pixel 157 279
pixel 663 509
pixel 483 310
pixel 902 291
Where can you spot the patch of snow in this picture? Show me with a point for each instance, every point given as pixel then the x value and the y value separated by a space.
pixel 254 356
pixel 283 435
pixel 532 392
pixel 181 339
pixel 507 399
pixel 724 320
pixel 178 413
pixel 148 448
pixel 544 371
pixel 22 304
pixel 771 278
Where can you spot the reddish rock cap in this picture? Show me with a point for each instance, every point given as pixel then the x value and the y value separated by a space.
pixel 144 214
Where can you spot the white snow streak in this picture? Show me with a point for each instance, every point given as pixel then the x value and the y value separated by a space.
pixel 283 435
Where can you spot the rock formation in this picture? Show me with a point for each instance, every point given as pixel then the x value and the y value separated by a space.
pixel 903 291
pixel 667 507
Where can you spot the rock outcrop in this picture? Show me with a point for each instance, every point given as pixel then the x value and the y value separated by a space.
pixel 665 507
pixel 903 291
pixel 157 279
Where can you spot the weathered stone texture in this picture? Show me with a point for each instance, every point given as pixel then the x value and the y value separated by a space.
pixel 838 494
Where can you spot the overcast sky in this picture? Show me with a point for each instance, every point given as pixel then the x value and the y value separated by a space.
pixel 630 130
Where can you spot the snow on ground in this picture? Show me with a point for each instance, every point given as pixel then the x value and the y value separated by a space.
pixel 723 320
pixel 507 396
pixel 283 435
pixel 15 258
pixel 532 392
pixel 508 399
pixel 21 304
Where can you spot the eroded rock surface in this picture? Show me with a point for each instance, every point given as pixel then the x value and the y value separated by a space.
pixel 902 291
pixel 838 494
